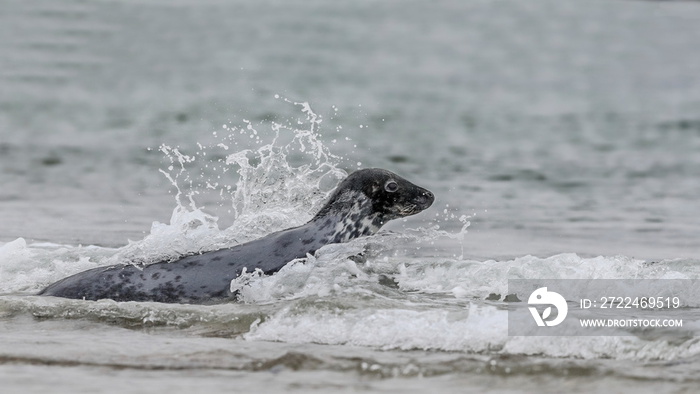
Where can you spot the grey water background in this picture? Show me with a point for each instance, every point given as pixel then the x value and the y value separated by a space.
pixel 557 126
pixel 564 127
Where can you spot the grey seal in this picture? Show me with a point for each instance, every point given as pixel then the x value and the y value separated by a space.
pixel 360 205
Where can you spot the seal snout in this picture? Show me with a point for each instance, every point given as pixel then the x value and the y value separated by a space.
pixel 425 199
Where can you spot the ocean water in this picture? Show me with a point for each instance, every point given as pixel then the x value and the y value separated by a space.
pixel 561 139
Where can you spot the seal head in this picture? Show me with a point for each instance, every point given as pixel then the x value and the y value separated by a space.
pixel 361 204
pixel 367 199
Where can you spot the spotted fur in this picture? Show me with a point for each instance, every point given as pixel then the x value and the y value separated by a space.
pixel 360 206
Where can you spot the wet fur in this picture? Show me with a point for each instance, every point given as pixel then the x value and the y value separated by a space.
pixel 359 206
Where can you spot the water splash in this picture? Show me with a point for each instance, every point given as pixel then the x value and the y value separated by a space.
pixel 30 267
pixel 277 178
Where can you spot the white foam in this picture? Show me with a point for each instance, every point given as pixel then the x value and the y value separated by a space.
pixel 28 268
pixel 440 306
pixel 329 273
pixel 479 278
pixel 473 329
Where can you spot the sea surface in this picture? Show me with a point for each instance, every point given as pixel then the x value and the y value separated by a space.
pixel 560 137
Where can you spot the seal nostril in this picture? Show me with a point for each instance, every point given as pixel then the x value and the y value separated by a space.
pixel 426 198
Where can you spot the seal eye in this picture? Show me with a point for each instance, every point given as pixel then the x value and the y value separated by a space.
pixel 391 186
